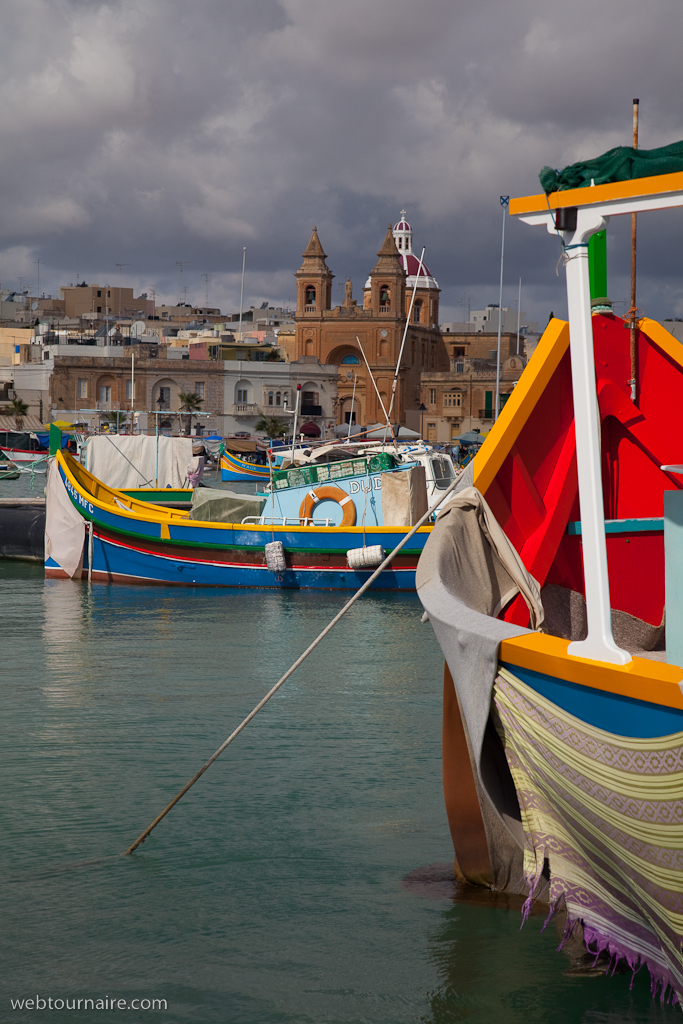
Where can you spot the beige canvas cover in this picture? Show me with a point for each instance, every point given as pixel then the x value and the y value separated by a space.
pixel 64 527
pixel 404 496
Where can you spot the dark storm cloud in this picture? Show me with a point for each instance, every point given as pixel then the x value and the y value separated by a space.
pixel 150 131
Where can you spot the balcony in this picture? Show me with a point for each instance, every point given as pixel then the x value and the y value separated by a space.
pixel 385 310
pixel 245 409
pixel 311 410
pixel 310 309
pixel 486 414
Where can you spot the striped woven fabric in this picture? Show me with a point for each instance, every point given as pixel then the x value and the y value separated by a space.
pixel 607 813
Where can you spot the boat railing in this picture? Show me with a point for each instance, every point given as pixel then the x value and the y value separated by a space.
pixel 284 521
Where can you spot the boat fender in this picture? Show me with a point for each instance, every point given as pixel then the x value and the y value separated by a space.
pixel 329 493
pixel 275 556
pixel 365 557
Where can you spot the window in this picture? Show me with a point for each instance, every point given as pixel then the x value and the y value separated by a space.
pixel 82 391
pixel 350 359
pixel 164 399
pixel 129 389
pixel 443 472
pixel 199 388
pixel 278 398
pixel 99 309
pixel 99 295
pixel 108 295
pixel 105 394
pixel 310 295
pixel 270 398
pixel 452 400
pixel 309 397
pixel 458 351
pixel 417 312
pixel 432 396
pixel 488 402
pixel 243 395
pixel 459 367
pixel 350 417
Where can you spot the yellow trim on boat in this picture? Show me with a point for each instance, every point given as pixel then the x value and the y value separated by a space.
pixel 598 194
pixel 521 403
pixel 641 679
pixel 663 339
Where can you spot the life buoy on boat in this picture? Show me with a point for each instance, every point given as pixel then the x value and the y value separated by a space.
pixel 329 493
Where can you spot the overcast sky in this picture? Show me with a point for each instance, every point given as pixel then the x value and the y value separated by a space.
pixel 147 132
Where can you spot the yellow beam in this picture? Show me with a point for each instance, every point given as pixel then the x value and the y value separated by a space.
pixel 598 194
pixel 521 403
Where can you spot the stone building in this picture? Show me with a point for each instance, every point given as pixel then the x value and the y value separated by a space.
pixel 83 386
pixel 463 398
pixel 348 334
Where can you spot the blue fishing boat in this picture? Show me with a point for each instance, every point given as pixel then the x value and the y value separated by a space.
pixel 324 525
pixel 234 469
pixel 545 579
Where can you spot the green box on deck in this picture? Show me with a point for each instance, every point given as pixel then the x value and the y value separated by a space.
pixel 309 476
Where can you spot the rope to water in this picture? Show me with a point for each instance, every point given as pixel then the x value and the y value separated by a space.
pixel 290 671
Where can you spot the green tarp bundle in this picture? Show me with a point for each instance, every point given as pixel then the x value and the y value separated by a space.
pixel 619 164
pixel 214 505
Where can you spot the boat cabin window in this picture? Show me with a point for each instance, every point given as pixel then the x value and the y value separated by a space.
pixel 443 473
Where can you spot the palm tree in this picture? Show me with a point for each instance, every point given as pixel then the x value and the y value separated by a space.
pixel 189 402
pixel 117 419
pixel 18 409
pixel 271 426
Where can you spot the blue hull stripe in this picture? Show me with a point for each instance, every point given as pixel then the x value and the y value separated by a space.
pixel 622 716
pixel 122 560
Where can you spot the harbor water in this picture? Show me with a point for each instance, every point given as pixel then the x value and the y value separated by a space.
pixel 290 886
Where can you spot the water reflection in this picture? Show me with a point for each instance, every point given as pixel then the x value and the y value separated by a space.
pixel 490 970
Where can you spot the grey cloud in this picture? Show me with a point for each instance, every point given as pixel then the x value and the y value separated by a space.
pixel 150 131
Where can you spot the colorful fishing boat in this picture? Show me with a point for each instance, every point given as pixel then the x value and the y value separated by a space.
pixel 545 581
pixel 235 469
pixel 331 524
pixel 22 447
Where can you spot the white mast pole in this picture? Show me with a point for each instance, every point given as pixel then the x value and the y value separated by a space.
pixel 132 392
pixel 353 399
pixel 403 341
pixel 519 311
pixel 504 202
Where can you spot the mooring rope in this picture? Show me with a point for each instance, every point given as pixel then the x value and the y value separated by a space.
pixel 392 554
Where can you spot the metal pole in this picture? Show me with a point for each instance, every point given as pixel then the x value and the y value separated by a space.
pixel 403 341
pixel 156 474
pixel 244 259
pixel 353 398
pixel 132 392
pixel 504 202
pixel 632 311
pixel 296 416
pixel 91 548
pixel 519 311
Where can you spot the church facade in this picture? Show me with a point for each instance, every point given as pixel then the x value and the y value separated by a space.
pixel 354 337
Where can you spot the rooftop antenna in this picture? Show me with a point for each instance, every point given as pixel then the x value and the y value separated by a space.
pixel 37 262
pixel 207 277
pixel 244 260
pixel 121 266
pixel 180 264
pixel 633 311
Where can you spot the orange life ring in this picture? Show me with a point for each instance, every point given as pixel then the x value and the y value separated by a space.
pixel 330 493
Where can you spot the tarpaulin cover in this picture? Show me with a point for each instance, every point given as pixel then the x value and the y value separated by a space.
pixel 126 462
pixel 64 527
pixel 619 164
pixel 211 505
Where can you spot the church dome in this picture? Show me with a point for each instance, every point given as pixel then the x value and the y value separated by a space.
pixel 403 237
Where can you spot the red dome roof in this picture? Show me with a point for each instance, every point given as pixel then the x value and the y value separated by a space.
pixel 411 264
pixel 402 225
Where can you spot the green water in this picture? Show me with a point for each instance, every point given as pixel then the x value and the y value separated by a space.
pixel 272 893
